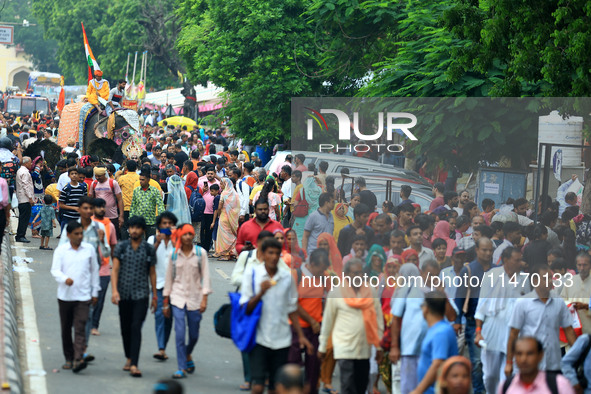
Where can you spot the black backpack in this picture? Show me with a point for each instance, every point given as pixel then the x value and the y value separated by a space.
pixel 550 381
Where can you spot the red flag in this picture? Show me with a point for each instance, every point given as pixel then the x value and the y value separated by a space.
pixel 62 99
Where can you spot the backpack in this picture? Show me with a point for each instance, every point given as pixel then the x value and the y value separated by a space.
pixel 196 205
pixel 8 172
pixel 94 183
pixel 550 382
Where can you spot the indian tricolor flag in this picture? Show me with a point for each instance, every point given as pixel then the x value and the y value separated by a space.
pixel 92 63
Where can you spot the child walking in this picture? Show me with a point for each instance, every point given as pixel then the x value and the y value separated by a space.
pixel 48 222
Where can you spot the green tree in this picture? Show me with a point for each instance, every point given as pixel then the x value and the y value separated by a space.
pixel 125 26
pixel 261 52
pixel 30 38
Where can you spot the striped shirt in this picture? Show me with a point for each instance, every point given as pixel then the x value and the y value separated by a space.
pixel 70 196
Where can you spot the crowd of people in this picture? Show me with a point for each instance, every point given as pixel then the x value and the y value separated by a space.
pixel 395 295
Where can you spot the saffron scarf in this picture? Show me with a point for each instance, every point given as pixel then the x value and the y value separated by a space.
pixel 177 236
pixel 364 302
pixel 336 260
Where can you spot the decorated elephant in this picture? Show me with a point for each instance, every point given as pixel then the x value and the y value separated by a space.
pixel 98 134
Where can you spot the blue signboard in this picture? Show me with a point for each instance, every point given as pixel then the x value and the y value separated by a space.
pixel 499 184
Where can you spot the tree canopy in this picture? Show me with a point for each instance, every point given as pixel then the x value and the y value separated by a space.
pixel 261 52
pixel 124 26
pixel 30 38
pixel 265 52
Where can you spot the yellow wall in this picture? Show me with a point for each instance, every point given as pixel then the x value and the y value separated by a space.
pixel 13 63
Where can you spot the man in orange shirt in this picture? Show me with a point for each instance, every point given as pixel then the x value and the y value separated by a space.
pixel 105 269
pixel 311 281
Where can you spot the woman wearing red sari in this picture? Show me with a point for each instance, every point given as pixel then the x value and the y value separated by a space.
pixel 327 242
pixel 291 247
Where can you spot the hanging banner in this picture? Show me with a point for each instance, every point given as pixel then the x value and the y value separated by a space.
pixel 129 104
pixel 557 165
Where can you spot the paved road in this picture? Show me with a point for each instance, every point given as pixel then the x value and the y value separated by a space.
pixel 219 366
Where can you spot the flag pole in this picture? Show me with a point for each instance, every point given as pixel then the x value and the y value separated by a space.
pixel 146 74
pixel 127 68
pixel 134 63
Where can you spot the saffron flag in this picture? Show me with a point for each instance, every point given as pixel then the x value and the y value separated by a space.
pixel 61 102
pixel 92 63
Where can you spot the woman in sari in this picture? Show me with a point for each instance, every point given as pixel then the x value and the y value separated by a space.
pixel 441 230
pixel 177 200
pixel 310 192
pixel 340 218
pixel 292 248
pixel 229 212
pixel 328 243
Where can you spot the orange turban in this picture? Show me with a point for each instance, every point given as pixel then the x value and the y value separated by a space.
pixel 98 73
pixel 177 235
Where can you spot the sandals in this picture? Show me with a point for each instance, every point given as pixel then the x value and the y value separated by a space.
pixel 127 367
pixel 67 365
pixel 136 373
pixel 245 386
pixel 79 366
pixel 225 258
pixel 190 366
pixel 329 391
pixel 180 374
pixel 160 356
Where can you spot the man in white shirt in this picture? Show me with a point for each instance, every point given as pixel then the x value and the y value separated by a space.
pixel 501 287
pixel 512 233
pixel 164 247
pixel 243 194
pixel 76 269
pixel 275 287
pixel 566 199
pixel 116 96
pixel 415 238
pixel 540 314
pixel 24 194
pixel 578 291
pixel 149 119
pixel 286 188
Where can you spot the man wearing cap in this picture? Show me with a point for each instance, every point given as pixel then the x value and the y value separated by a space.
pixel 97 87
pixel 108 189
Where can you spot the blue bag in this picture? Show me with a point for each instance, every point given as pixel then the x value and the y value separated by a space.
pixel 244 326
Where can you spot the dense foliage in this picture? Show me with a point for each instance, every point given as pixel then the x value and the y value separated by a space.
pixel 113 31
pixel 264 52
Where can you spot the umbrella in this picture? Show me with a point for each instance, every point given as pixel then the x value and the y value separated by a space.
pixel 179 121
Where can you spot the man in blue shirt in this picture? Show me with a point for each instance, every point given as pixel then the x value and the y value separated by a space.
pixel 439 344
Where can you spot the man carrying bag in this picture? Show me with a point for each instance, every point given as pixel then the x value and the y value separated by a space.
pixel 269 298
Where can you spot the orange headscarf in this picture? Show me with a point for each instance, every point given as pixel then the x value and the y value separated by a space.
pixel 364 302
pixel 372 216
pixel 407 253
pixel 450 362
pixel 297 254
pixel 177 236
pixel 336 260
